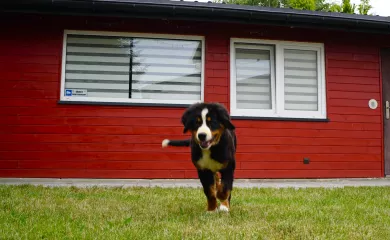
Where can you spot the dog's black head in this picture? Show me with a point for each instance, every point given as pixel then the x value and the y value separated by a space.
pixel 207 122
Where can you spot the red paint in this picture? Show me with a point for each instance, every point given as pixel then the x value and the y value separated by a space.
pixel 41 138
pixel 382 123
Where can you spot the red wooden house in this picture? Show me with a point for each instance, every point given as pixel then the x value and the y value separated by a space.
pixel 89 89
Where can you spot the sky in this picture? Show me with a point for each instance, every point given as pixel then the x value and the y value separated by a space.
pixel 380 7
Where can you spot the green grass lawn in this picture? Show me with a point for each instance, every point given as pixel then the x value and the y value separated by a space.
pixel 28 212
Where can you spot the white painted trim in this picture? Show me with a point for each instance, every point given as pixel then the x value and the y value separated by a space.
pixel 125 100
pixel 202 83
pixel 133 34
pixel 63 63
pixel 279 75
pixel 278 81
pixel 233 97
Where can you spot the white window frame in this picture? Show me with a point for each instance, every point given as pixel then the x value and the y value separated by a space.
pixel 277 82
pixel 130 100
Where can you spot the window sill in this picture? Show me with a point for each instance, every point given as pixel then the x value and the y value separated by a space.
pixel 281 119
pixel 175 105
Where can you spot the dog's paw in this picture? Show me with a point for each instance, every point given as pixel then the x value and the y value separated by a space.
pixel 212 211
pixel 223 208
pixel 165 143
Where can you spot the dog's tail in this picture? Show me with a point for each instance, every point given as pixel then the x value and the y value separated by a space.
pixel 176 143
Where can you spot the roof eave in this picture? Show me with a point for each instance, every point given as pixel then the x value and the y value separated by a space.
pixel 199 12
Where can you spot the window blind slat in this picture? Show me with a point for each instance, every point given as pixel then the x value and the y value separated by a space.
pixel 91 39
pixel 300 80
pixel 138 60
pixel 96 76
pixel 308 81
pixel 98 59
pixel 301 89
pixel 253 105
pixel 256 89
pixel 172 60
pixel 125 86
pixel 166 87
pixel 299 64
pixel 97 67
pixel 142 68
pixel 295 73
pixel 126 51
pixel 165 96
pixel 253 72
pixel 303 106
pixel 100 50
pixel 258 79
pixel 187 79
pixel 254 98
pixel 302 98
pixel 89 86
pixel 252 56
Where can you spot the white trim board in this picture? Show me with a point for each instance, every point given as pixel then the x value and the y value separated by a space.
pixel 277 80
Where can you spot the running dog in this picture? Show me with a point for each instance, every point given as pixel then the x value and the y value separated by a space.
pixel 213 147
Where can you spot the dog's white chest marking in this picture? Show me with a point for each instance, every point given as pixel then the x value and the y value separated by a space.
pixel 206 162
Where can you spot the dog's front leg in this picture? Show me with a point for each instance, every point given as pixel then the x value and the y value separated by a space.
pixel 208 182
pixel 224 190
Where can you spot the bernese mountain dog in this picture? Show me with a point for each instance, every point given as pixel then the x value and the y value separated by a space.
pixel 213 147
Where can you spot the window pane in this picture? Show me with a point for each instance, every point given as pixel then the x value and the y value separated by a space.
pixel 300 80
pixel 253 78
pixel 97 66
pixel 138 68
pixel 166 69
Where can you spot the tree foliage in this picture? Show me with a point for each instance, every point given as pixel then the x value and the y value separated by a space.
pixel 302 4
pixel 364 7
pixel 316 5
pixel 348 7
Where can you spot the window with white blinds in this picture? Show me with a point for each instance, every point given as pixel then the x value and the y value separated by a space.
pixel 132 68
pixel 277 79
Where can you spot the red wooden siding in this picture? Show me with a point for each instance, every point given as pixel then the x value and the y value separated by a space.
pixel 41 138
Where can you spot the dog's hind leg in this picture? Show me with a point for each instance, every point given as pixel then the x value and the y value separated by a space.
pixel 207 179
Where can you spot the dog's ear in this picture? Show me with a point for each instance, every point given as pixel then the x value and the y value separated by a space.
pixel 224 116
pixel 187 118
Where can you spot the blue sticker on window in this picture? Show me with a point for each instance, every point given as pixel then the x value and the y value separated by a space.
pixel 68 92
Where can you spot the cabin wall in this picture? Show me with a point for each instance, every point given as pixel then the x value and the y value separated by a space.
pixel 43 138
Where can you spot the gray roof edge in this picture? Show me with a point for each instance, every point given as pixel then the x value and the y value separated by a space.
pixel 202 11
pixel 257 9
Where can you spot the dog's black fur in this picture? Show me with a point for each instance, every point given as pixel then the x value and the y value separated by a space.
pixel 221 153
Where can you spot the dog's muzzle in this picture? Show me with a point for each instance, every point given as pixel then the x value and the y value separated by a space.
pixel 202 141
